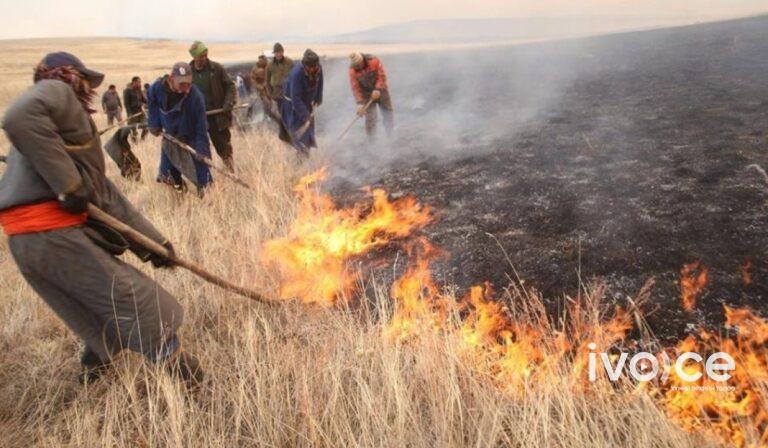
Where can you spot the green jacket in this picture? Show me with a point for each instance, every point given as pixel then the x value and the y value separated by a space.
pixel 133 100
pixel 222 94
pixel 277 73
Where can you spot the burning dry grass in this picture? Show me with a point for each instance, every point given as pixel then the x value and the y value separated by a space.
pixel 411 364
pixel 404 364
pixel 312 258
pixel 693 280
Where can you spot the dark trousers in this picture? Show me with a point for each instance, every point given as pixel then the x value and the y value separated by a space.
pixel 137 120
pixel 222 141
pixel 174 162
pixel 387 114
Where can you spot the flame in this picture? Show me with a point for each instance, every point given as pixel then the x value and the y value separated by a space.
pixel 746 272
pixel 512 344
pixel 509 347
pixel 418 304
pixel 693 280
pixel 312 259
pixel 735 411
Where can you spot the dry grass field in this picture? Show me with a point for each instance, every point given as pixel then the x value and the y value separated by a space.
pixel 306 375
pixel 121 59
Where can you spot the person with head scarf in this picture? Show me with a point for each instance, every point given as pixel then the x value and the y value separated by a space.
pixel 55 170
pixel 259 79
pixel 258 84
pixel 302 94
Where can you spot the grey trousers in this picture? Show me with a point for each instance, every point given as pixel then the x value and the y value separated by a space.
pixel 109 304
pixel 113 115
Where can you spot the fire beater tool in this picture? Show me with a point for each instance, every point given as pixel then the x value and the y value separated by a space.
pixel 354 120
pixel 202 159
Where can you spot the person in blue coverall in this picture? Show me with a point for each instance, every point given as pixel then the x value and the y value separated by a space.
pixel 177 108
pixel 302 94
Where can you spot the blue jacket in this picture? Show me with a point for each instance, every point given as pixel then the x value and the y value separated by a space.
pixel 186 121
pixel 296 106
pixel 301 95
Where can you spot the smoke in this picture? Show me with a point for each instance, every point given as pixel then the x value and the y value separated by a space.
pixel 447 104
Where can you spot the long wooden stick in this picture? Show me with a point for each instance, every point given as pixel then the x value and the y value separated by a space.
pixel 158 249
pixel 137 114
pixel 206 160
pixel 218 111
pixel 354 120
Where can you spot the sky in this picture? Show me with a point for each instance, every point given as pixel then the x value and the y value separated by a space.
pixel 261 19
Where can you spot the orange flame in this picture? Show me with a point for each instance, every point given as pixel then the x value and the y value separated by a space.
pixel 418 304
pixel 312 259
pixel 735 411
pixel 693 280
pixel 513 344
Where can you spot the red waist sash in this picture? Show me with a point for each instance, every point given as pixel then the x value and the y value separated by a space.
pixel 38 218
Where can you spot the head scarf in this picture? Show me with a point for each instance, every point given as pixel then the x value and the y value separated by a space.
pixel 71 76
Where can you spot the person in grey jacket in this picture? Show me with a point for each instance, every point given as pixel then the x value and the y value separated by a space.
pixel 111 104
pixel 55 169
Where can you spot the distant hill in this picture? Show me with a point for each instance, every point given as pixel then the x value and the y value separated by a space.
pixel 492 30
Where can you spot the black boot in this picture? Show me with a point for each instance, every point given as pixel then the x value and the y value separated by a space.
pixel 92 367
pixel 186 367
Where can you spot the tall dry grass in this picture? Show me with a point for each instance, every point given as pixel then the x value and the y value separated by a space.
pixel 279 376
pixel 285 376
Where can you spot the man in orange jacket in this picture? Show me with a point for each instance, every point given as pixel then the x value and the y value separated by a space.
pixel 369 85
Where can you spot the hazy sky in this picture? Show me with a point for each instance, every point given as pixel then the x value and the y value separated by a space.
pixel 255 19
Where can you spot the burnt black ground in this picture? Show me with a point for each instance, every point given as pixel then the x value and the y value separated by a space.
pixel 622 157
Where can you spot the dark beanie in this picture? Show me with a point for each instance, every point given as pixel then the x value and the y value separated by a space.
pixel 310 58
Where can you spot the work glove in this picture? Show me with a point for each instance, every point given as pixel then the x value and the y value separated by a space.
pixel 160 261
pixel 75 202
pixel 228 107
pixel 361 110
pixel 376 94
